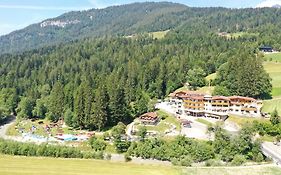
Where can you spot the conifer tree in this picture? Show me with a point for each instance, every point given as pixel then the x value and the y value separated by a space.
pixel 56 102
pixel 118 106
pixel 83 105
pixel 100 108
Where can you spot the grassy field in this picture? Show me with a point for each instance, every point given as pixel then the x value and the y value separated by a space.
pixel 169 119
pixel 267 170
pixel 211 76
pixel 50 166
pixel 159 34
pixel 154 35
pixel 270 105
pixel 205 89
pixel 274 70
pixel 243 120
pixel 239 34
pixel 11 165
pixel 205 122
pixel 275 57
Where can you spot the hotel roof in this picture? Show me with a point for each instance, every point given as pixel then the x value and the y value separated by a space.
pixel 242 98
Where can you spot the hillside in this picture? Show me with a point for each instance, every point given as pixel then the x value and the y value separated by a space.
pixel 126 72
pixel 116 20
pixel 130 19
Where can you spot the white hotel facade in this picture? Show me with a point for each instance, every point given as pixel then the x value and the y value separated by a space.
pixel 220 107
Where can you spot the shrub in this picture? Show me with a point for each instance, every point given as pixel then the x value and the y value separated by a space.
pixel 185 161
pixel 259 157
pixel 97 145
pixel 213 162
pixel 127 158
pixel 122 146
pixel 238 160
pixel 175 161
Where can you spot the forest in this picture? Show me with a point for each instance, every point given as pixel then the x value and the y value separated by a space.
pixel 94 83
pixel 261 25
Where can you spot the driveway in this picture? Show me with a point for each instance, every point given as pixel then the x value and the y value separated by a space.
pixel 271 150
pixel 197 130
pixel 4 127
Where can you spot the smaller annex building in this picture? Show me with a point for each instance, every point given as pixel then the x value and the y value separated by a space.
pixel 202 105
pixel 266 49
pixel 150 118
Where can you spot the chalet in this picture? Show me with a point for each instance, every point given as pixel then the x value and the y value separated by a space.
pixel 149 118
pixel 266 49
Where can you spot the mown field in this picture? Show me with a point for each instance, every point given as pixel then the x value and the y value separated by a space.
pixel 270 105
pixel 274 70
pixel 159 34
pixel 262 170
pixel 11 165
pixel 273 67
pixel 49 166
pixel 276 57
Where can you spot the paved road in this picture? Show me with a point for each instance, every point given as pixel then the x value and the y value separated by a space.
pixel 273 151
pixel 197 130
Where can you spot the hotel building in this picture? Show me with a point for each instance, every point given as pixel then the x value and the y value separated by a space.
pixel 220 107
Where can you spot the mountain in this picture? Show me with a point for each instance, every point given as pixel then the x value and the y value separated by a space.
pixel 270 3
pixel 116 20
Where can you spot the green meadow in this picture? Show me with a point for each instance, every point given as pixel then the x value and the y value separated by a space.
pixel 14 165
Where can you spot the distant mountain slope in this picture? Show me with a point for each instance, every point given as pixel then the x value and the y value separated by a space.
pixel 116 20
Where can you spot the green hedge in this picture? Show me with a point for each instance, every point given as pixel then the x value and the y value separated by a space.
pixel 45 150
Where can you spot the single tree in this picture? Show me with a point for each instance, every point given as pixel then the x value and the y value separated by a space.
pixel 275 118
pixel 142 132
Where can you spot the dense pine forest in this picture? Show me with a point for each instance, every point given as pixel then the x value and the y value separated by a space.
pixel 96 82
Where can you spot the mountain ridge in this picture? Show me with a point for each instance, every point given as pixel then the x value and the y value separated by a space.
pixel 112 21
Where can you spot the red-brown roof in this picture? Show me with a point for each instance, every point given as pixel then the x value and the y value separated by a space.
pixel 149 116
pixel 241 98
pixel 197 97
pixel 172 94
pixel 220 98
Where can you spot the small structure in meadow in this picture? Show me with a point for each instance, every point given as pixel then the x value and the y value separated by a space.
pixel 266 49
pixel 150 118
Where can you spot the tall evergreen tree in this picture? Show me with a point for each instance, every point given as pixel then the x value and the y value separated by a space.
pixel 25 107
pixel 118 107
pixel 101 111
pixel 56 102
pixel 83 105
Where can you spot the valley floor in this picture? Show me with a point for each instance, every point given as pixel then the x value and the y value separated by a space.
pixel 13 165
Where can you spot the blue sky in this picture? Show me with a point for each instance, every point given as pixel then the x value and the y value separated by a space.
pixel 16 14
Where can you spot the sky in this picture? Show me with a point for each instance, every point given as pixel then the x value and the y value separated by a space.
pixel 17 14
